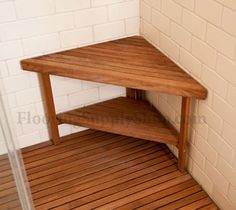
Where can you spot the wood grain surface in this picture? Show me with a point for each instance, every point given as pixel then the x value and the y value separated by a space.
pixel 98 170
pixel 130 62
pixel 123 116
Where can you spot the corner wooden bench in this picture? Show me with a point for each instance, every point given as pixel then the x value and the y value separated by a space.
pixel 132 63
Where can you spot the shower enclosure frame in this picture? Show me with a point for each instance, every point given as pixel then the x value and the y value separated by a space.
pixel 14 156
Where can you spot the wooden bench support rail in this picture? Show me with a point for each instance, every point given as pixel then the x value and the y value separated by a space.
pixel 135 94
pixel 183 136
pixel 47 91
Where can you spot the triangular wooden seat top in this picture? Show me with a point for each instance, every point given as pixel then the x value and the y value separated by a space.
pixel 132 63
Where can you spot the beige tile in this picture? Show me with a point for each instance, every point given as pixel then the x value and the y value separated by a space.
pixel 96 3
pixel 226 68
pixel 204 52
pixel 221 146
pixel 90 17
pixel 214 81
pixel 151 33
pixel 221 199
pixel 76 37
pixel 192 64
pixel 231 98
pixel 28 8
pixel 197 156
pixel 206 149
pixel 195 24
pixel 228 171
pixel 229 135
pixel 145 11
pixel 181 36
pixel 172 10
pixel 71 5
pixel 155 4
pixel 34 45
pixel 189 4
pixel 217 178
pixel 109 30
pixel 226 111
pixel 212 118
pixel 221 41
pixel 7 11
pixel 202 178
pixel 213 14
pixel 161 22
pixel 123 10
pixel 169 46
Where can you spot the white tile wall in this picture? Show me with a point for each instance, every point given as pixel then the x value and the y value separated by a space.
pixel 221 41
pixel 7 12
pixel 10 49
pixel 123 10
pixel 71 5
pixel 160 21
pixel 29 28
pixel 28 8
pixel 209 10
pixel 194 24
pixel 109 30
pixel 77 37
pixel 201 40
pixel 228 19
pixel 34 45
pixel 200 36
pixel 181 36
pixel 172 10
pixel 203 52
pixel 91 16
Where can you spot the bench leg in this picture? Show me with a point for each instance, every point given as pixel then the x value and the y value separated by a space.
pixel 135 94
pixel 183 136
pixel 53 124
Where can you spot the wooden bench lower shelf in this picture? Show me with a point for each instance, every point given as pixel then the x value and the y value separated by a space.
pixel 124 116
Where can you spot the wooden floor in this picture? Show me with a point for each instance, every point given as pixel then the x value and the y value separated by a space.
pixel 108 171
pixel 97 170
pixel 9 199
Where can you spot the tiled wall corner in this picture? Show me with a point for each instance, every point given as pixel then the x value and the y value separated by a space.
pixel 29 28
pixel 199 35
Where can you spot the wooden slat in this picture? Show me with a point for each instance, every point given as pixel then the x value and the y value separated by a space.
pixel 103 197
pixel 143 200
pixel 38 148
pixel 209 207
pixel 113 172
pixel 115 184
pixel 66 150
pixel 124 116
pixel 8 193
pixel 89 161
pixel 146 192
pixel 117 173
pixel 130 62
pixel 62 177
pixel 198 204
